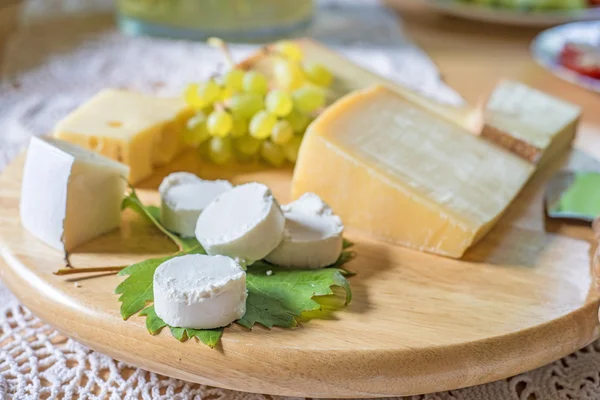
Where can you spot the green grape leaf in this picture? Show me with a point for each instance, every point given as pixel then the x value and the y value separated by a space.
pixel 154 324
pixel 152 214
pixel 209 337
pixel 188 243
pixel 137 290
pixel 280 298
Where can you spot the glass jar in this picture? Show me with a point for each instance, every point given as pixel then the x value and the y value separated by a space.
pixel 232 20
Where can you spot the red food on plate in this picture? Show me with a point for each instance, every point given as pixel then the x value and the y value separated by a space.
pixel 581 58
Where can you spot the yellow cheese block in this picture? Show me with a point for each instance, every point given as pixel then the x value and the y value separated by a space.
pixel 349 77
pixel 528 122
pixel 392 170
pixel 139 130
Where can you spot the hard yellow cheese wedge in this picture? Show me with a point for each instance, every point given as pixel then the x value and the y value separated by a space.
pixel 392 170
pixel 139 130
pixel 528 122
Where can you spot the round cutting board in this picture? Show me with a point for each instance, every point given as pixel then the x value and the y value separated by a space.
pixel 418 323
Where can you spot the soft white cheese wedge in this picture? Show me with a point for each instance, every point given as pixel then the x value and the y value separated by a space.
pixel 313 235
pixel 244 223
pixel 200 292
pixel 183 197
pixel 69 194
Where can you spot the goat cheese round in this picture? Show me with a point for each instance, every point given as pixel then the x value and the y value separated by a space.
pixel 245 223
pixel 313 235
pixel 183 197
pixel 200 292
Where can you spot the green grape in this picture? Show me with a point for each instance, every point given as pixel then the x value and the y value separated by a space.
pixel 288 75
pixel 279 103
pixel 319 75
pixel 220 150
pixel 208 92
pixel 247 145
pixel 282 132
pixel 240 127
pixel 298 120
pixel 245 105
pixel 191 97
pixel 289 50
pixel 308 99
pixel 255 82
pixel 262 124
pixel 226 93
pixel 291 148
pixel 196 132
pixel 219 123
pixel 234 79
pixel 272 153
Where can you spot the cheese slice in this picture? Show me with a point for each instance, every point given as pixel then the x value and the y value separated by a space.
pixel 244 223
pixel 70 195
pixel 183 196
pixel 390 169
pixel 349 77
pixel 528 122
pixel 139 130
pixel 199 292
pixel 313 235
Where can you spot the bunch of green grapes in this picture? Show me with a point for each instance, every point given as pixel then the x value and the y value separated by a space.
pixel 242 115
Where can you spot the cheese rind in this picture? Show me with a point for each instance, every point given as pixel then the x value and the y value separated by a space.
pixel 70 195
pixel 395 172
pixel 528 122
pixel 139 130
pixel 313 235
pixel 245 223
pixel 199 292
pixel 183 197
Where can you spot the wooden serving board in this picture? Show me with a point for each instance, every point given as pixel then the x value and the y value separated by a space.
pixel 418 323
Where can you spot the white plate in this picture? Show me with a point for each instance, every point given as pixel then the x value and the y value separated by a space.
pixel 512 17
pixel 547 46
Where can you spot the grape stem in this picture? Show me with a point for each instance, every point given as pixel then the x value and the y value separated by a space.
pixel 220 44
pixel 219 107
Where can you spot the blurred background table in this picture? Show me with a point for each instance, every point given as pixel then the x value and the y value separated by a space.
pixel 471 57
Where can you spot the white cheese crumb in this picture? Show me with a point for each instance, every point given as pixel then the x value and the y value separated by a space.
pixel 269 273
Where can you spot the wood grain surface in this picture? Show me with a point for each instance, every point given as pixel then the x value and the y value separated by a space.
pixel 418 323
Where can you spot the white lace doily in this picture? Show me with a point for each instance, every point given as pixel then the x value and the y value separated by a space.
pixel 64 52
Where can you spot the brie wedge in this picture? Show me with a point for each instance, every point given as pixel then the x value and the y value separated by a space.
pixel 70 195
pixel 183 197
pixel 200 292
pixel 244 223
pixel 313 235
